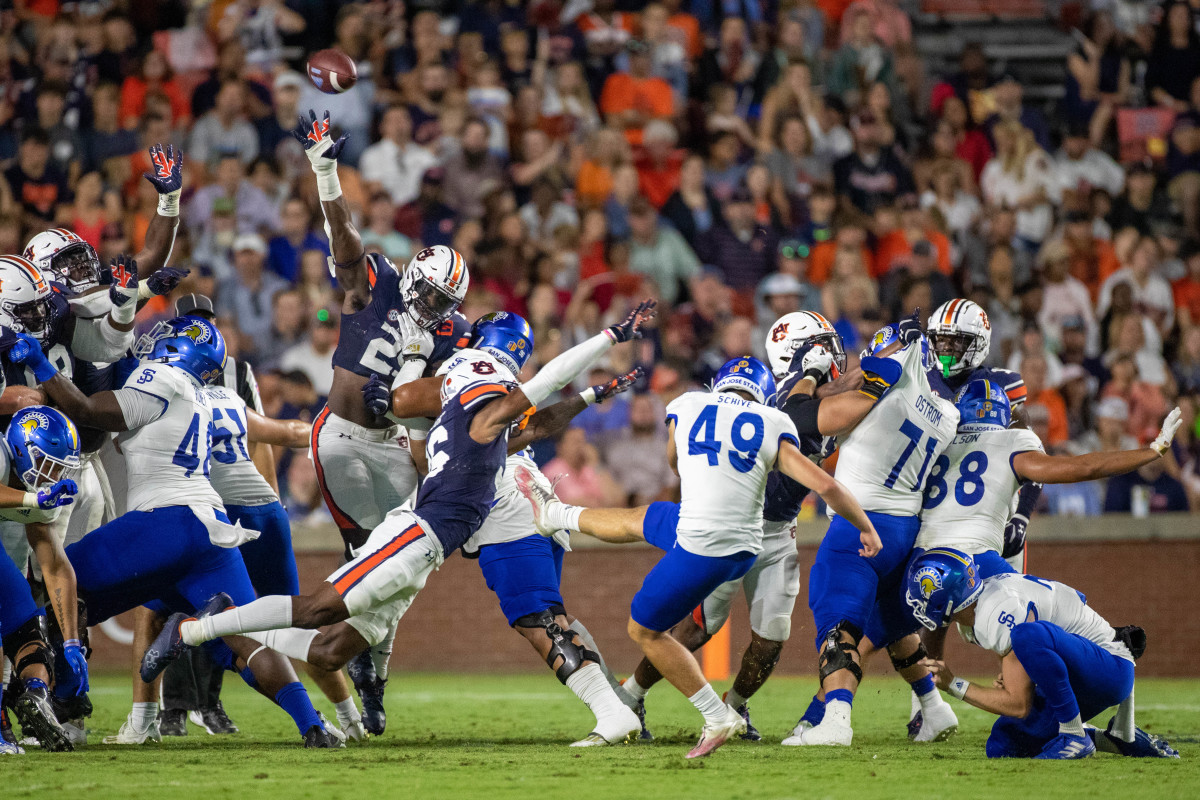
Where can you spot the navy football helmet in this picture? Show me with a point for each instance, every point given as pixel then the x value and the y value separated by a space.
pixel 939 583
pixel 44 446
pixel 191 343
pixel 983 406
pixel 746 374
pixel 504 336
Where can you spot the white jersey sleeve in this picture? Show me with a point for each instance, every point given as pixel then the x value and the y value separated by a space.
pixel 511 517
pixel 1008 600
pixel 167 460
pixel 886 459
pixel 969 494
pixel 726 447
pixel 233 474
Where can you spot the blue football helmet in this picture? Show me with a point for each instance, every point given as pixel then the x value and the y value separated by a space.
pixel 939 583
pixel 983 406
pixel 504 336
pixel 191 343
pixel 747 374
pixel 44 446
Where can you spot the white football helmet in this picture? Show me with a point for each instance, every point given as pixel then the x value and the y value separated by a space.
pixel 433 285
pixel 960 335
pixel 24 298
pixel 798 328
pixel 65 257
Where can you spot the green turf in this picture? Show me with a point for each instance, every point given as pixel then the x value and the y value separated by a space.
pixel 505 736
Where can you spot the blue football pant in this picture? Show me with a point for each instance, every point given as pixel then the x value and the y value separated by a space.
pixel 270 560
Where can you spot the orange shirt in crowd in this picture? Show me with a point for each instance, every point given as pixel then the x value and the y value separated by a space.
pixel 895 247
pixel 820 262
pixel 1187 296
pixel 1093 267
pixel 833 10
pixel 1052 401
pixel 133 101
pixel 593 184
pixel 689 26
pixel 623 92
pixel 657 182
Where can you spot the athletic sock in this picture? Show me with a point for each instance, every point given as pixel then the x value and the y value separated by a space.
pixel 143 715
pixel 347 712
pixel 732 698
pixel 291 642
pixel 263 614
pixel 709 703
pixel 914 706
pixel 381 654
pixel 1123 726
pixel 295 701
pixel 927 693
pixel 815 711
pixel 585 636
pixel 838 705
pixel 561 515
pixel 589 685
pixel 634 689
pixel 1074 727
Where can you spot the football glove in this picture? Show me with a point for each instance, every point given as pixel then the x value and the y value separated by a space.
pixel 416 342
pixel 73 653
pixel 1014 535
pixel 621 383
pixel 879 375
pixel 165 280
pixel 166 177
pixel 1165 434
pixel 814 361
pixel 28 351
pixel 377 395
pixel 631 327
pixel 910 328
pixel 60 494
pixel 313 135
pixel 124 280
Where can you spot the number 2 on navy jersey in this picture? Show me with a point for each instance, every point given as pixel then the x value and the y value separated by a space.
pixel 968 489
pixel 743 450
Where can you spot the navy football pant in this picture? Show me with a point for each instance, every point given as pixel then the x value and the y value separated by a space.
pixel 1072 675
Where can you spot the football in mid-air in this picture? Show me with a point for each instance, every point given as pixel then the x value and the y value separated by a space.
pixel 332 71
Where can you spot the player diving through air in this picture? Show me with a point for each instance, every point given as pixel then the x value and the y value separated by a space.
pixel 466 450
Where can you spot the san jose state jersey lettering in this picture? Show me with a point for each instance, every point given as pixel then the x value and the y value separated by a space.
pixel 370 342
pixel 460 488
pixel 969 494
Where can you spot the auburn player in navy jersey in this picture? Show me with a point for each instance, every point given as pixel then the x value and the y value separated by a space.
pixel 466 448
pixel 394 328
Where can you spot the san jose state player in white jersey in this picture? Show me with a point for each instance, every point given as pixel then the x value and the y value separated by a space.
pixel 1061 662
pixel 723 444
pixel 175 544
pixel 466 449
pixel 394 328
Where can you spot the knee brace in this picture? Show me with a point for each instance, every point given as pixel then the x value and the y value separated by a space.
pixel 563 644
pixel 904 663
pixel 32 633
pixel 835 654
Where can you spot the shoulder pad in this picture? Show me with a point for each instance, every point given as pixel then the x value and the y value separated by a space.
pixel 469 368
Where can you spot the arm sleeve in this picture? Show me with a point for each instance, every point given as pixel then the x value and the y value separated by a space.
pixel 563 368
pixel 139 408
pixel 98 340
pixel 802 410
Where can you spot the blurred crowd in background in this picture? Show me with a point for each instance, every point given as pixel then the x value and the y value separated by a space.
pixel 737 160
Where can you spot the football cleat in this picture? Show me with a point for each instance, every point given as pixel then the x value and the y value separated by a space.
pixel 214 720
pixel 827 733
pixel 1144 745
pixel 713 736
pixel 640 709
pixel 370 690
pixel 916 717
pixel 8 748
pixel 354 729
pixel 76 731
pixel 751 734
pixel 172 722
pixel 319 738
pixel 128 734
pixel 333 730
pixel 6 731
pixel 1067 746
pixel 169 645
pixel 540 498
pixel 938 725
pixel 612 730
pixel 37 719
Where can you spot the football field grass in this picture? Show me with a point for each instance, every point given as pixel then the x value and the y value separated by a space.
pixel 471 736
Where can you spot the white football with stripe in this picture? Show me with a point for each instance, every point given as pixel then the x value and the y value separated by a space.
pixel 332 71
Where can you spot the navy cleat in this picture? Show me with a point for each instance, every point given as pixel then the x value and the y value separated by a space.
pixel 370 690
pixel 214 720
pixel 751 734
pixel 1066 746
pixel 644 735
pixel 166 648
pixel 37 719
pixel 914 725
pixel 1144 745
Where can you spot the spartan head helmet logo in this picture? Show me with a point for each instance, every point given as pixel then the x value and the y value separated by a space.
pixel 930 581
pixel 196 332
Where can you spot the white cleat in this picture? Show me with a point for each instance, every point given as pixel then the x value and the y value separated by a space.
pixel 76 731
pixel 713 736
pixel 828 733
pixel 333 730
pixel 801 726
pixel 540 498
pixel 131 735
pixel 354 729
pixel 938 725
pixel 614 729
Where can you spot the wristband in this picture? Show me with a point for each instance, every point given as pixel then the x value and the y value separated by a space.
pixel 30 500
pixel 958 688
pixel 329 188
pixel 124 314
pixel 168 204
pixel 71 643
pixel 589 396
pixel 144 292
pixel 813 375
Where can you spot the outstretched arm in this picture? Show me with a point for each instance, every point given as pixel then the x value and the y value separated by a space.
pixel 100 410
pixel 1012 696
pixel 1042 468
pixel 345 245
pixel 59 575
pixel 550 422
pixel 795 465
pixel 281 432
pixel 166 174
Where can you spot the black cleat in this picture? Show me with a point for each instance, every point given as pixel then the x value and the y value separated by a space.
pixel 914 725
pixel 370 690
pixel 644 735
pixel 38 721
pixel 71 707
pixel 6 731
pixel 165 648
pixel 214 720
pixel 751 734
pixel 318 737
pixel 172 722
